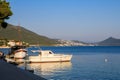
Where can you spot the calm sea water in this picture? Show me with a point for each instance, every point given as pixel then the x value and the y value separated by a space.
pixel 88 63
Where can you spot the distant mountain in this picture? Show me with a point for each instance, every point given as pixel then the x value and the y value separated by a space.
pixel 109 42
pixel 19 33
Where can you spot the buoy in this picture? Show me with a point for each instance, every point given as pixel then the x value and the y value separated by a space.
pixel 106 60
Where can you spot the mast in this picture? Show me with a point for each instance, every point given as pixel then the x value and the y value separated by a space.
pixel 19 34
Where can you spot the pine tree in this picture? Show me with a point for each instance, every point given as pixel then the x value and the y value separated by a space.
pixel 5 12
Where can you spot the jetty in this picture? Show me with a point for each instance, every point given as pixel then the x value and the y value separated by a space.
pixel 11 72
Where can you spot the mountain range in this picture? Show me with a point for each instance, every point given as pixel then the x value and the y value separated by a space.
pixel 109 42
pixel 19 33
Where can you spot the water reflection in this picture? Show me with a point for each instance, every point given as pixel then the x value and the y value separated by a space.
pixel 47 69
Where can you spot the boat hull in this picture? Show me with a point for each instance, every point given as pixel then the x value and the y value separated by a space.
pixel 40 59
pixel 20 55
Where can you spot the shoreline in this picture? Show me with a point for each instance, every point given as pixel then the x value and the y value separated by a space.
pixel 11 72
pixel 4 47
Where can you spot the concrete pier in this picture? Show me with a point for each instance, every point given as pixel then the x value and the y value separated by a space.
pixel 11 72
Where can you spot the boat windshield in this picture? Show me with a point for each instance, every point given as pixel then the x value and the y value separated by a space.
pixel 45 52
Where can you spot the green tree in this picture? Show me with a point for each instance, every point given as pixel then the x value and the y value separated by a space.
pixel 5 12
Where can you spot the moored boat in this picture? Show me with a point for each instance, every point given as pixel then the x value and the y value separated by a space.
pixel 18 52
pixel 49 56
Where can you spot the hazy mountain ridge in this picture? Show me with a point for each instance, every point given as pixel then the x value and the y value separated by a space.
pixel 109 42
pixel 19 33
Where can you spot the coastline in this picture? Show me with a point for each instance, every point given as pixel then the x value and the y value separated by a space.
pixel 11 72
pixel 4 47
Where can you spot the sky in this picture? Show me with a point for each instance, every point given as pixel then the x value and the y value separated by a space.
pixel 83 20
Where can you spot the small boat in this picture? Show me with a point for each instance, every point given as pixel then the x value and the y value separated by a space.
pixel 18 52
pixel 49 56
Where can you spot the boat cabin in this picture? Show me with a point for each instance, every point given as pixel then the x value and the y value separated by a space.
pixel 46 53
pixel 15 48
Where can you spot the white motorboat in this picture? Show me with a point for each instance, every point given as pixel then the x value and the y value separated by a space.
pixel 49 56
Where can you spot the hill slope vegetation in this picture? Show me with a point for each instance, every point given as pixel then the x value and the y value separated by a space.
pixel 19 33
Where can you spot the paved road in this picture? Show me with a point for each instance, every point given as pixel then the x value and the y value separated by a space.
pixel 11 72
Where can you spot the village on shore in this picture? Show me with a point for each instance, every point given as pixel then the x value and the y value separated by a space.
pixel 8 43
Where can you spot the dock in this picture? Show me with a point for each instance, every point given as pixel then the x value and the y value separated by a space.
pixel 11 72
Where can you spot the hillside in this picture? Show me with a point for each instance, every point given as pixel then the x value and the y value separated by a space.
pixel 109 42
pixel 20 33
pixel 72 43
